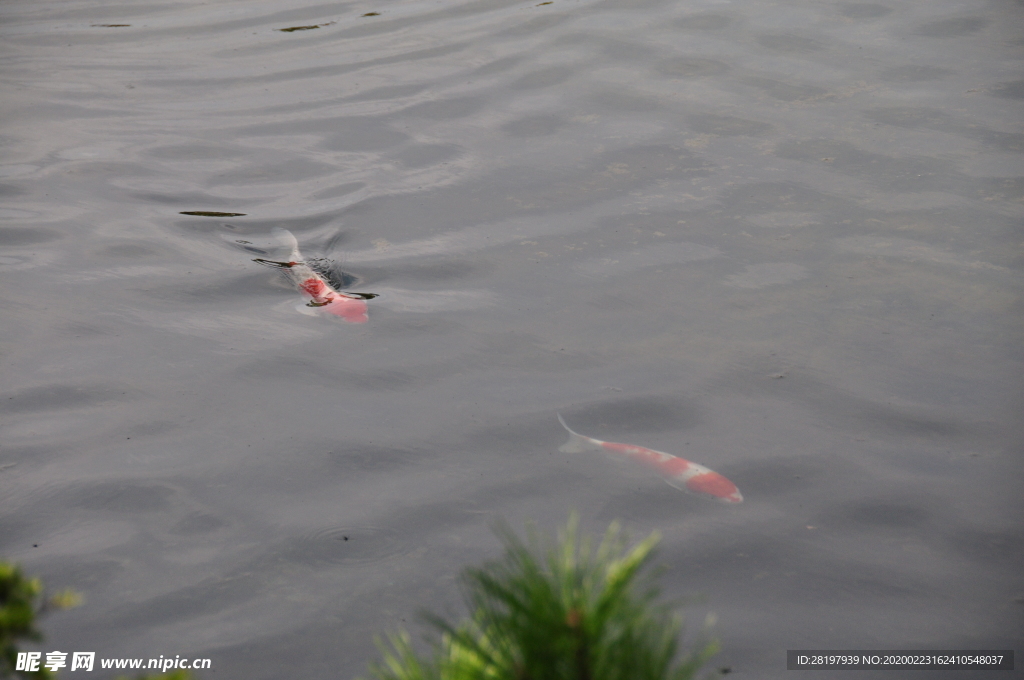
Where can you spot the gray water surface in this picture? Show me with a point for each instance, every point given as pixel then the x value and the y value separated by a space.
pixel 781 239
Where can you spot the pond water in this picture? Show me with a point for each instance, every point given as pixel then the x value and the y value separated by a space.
pixel 781 239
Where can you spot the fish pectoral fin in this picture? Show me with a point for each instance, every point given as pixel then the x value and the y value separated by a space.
pixel 274 263
pixel 677 483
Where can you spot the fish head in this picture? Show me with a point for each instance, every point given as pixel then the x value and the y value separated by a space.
pixel 713 484
pixel 734 497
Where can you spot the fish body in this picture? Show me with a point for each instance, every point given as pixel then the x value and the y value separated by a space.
pixel 678 472
pixel 319 294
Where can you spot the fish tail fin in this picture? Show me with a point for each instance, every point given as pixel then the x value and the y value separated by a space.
pixel 288 240
pixel 577 443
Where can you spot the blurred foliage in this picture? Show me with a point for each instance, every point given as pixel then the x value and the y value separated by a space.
pixel 21 603
pixel 555 610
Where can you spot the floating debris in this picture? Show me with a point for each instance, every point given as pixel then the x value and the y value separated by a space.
pixel 372 14
pixel 210 213
pixel 549 2
pixel 111 25
pixel 292 29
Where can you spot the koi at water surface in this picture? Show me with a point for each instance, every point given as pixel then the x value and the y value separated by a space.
pixel 320 294
pixel 678 472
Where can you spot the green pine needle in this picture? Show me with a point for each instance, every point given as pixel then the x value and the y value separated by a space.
pixel 558 611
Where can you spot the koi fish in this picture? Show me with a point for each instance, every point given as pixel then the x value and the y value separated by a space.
pixel 349 306
pixel 678 472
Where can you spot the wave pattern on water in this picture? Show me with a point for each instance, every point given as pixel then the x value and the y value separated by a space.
pixel 779 238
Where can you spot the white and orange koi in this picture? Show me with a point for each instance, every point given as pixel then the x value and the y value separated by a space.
pixel 349 306
pixel 678 472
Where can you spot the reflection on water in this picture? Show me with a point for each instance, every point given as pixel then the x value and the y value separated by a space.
pixel 776 238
